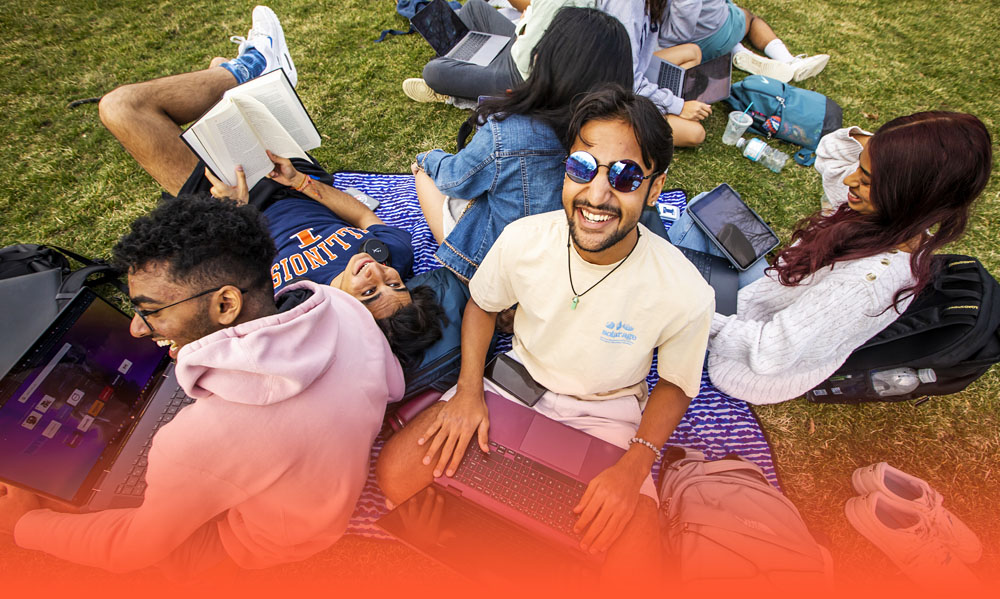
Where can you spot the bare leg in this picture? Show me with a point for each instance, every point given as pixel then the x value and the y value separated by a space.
pixel 431 203
pixel 146 119
pixel 759 32
pixel 400 470
pixel 684 55
pixel 687 134
pixel 633 561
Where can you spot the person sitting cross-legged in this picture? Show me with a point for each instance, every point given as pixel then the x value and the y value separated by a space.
pixel 718 27
pixel 596 294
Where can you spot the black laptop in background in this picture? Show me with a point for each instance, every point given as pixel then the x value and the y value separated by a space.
pixel 79 408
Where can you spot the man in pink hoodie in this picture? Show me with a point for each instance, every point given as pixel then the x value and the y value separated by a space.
pixel 266 466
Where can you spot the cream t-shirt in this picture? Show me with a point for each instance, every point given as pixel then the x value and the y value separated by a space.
pixel 656 299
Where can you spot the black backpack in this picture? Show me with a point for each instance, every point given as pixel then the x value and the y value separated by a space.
pixel 28 258
pixel 952 327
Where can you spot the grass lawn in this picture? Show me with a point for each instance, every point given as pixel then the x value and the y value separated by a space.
pixel 68 182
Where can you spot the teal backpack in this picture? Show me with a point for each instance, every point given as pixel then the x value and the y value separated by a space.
pixel 789 113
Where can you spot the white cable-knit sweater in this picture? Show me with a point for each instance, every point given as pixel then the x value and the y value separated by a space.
pixel 783 341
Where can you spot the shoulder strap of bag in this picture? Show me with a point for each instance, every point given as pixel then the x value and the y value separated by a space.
pixel 805 157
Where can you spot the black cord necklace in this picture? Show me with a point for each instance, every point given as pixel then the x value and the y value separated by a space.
pixel 569 269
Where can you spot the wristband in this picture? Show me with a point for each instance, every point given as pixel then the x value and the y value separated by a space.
pixel 306 179
pixel 651 447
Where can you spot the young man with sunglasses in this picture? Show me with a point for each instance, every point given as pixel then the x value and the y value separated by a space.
pixel 267 464
pixel 596 294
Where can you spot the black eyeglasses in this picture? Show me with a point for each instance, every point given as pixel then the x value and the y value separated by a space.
pixel 623 175
pixel 144 313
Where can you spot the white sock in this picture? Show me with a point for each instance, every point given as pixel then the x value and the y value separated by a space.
pixel 739 47
pixel 776 49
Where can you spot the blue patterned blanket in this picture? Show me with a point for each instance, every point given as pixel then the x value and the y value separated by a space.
pixel 714 424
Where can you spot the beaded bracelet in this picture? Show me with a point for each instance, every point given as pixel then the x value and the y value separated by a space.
pixel 651 447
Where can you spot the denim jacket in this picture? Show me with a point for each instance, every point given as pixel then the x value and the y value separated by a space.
pixel 511 168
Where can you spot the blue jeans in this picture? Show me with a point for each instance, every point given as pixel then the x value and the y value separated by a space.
pixel 685 233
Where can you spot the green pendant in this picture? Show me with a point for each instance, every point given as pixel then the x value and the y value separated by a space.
pixel 576 300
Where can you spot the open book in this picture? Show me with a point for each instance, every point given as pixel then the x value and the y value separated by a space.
pixel 263 113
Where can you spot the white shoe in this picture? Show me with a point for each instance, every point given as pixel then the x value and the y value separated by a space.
pixel 417 89
pixel 904 534
pixel 267 37
pixel 808 66
pixel 900 487
pixel 761 65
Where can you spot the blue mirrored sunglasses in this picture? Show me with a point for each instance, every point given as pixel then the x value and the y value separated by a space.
pixel 623 175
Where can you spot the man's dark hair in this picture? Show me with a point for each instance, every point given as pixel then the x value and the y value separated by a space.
pixel 205 242
pixel 414 327
pixel 615 103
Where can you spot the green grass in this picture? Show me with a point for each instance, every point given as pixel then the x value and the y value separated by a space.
pixel 67 181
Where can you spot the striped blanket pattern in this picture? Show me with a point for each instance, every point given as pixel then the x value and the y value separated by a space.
pixel 714 424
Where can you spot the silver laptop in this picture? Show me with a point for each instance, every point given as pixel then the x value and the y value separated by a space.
pixel 708 82
pixel 78 410
pixel 448 35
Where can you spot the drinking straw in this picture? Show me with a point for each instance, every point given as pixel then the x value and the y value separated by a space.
pixel 747 108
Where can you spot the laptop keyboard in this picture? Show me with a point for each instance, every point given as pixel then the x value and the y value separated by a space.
pixel 670 77
pixel 135 484
pixel 523 484
pixel 701 261
pixel 469 46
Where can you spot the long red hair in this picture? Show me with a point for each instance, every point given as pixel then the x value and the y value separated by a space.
pixel 926 169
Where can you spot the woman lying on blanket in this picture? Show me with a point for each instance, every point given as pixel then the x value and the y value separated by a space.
pixel 895 198
pixel 326 236
pixel 514 165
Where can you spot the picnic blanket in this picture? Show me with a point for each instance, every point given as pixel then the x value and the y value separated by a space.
pixel 714 424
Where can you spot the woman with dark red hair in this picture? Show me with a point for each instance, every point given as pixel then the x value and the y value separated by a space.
pixel 893 199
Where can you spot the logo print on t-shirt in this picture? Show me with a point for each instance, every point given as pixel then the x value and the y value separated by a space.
pixel 618 332
pixel 305 237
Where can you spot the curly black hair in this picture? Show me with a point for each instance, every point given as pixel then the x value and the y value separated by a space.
pixel 204 241
pixel 414 327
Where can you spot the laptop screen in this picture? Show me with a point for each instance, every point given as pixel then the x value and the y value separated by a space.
pixel 709 82
pixel 67 404
pixel 440 26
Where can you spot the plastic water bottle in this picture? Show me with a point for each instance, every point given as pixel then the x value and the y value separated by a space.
pixel 757 150
pixel 900 381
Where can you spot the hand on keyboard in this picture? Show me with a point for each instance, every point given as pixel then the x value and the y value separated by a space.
pixel 423 519
pixel 607 505
pixel 460 418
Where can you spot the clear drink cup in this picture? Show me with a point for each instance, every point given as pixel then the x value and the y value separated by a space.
pixel 736 126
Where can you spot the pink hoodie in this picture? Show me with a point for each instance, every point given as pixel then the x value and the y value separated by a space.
pixel 269 461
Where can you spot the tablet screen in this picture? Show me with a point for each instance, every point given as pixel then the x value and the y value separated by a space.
pixel 735 227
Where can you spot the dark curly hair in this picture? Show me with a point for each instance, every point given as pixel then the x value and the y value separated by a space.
pixel 414 327
pixel 205 242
